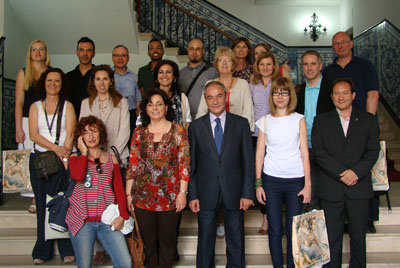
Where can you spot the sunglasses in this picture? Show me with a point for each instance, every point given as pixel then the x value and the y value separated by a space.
pixel 98 166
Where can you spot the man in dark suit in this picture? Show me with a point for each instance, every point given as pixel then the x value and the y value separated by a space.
pixel 222 176
pixel 345 147
pixel 313 98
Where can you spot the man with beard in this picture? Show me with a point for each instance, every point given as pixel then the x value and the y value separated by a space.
pixel 79 77
pixel 195 75
pixel 155 50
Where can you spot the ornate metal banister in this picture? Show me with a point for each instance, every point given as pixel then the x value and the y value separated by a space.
pixel 178 26
pixel 2 39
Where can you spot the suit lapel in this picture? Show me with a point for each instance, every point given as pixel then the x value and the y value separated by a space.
pixel 208 133
pixel 337 125
pixel 354 119
pixel 227 132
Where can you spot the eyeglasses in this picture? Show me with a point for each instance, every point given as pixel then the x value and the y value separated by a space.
pixel 282 93
pixel 98 166
pixel 120 55
pixel 340 43
pixel 225 60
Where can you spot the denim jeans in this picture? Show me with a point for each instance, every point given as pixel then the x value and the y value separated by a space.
pixel 279 191
pixel 112 241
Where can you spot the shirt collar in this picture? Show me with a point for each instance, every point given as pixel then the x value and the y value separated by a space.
pixel 197 67
pixel 318 86
pixel 127 71
pixel 342 117
pixel 222 117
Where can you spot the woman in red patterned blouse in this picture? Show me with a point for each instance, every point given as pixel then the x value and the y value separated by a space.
pixel 98 184
pixel 158 176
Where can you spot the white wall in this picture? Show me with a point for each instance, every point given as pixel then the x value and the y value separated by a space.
pixel 67 62
pixel 285 22
pixel 61 23
pixel 367 13
pixel 16 44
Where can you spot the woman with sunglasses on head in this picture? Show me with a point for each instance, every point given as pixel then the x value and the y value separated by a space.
pixel 283 173
pixel 98 184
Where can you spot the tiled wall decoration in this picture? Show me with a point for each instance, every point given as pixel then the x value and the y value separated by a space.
pixel 381 45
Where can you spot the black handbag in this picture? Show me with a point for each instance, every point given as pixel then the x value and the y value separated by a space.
pixel 47 163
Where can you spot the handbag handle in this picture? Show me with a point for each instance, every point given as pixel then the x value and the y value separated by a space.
pixel 136 225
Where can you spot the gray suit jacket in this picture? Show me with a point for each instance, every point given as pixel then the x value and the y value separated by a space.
pixel 228 176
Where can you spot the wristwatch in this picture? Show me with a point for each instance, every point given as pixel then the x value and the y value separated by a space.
pixel 183 192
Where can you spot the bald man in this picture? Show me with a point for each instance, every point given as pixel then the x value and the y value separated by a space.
pixel 194 76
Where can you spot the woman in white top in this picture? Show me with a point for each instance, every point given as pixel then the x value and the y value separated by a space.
pixel 105 103
pixel 238 99
pixel 43 114
pixel 283 173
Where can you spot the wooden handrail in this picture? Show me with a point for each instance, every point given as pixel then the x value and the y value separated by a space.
pixel 198 19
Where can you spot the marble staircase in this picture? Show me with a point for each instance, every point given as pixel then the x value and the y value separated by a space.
pixel 18 235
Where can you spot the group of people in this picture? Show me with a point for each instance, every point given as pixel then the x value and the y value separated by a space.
pixel 215 138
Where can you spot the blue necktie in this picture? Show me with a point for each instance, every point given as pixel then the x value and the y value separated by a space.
pixel 218 134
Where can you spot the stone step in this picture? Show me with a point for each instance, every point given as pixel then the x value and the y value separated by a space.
pixel 253 218
pixel 388 135
pixel 385 126
pixel 387 239
pixel 393 144
pixel 374 260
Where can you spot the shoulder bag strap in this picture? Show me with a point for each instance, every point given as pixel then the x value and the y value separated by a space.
pixel 116 153
pixel 136 225
pixel 59 118
pixel 205 67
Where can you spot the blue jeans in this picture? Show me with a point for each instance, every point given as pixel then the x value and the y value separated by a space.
pixel 279 191
pixel 112 241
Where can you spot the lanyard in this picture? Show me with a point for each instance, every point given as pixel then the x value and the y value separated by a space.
pixel 50 126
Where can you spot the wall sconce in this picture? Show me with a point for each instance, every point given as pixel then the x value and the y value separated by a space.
pixel 314 28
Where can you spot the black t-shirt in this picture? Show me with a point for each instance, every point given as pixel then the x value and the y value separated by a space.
pixel 78 86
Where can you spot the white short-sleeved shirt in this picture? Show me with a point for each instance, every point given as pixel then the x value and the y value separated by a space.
pixel 283 158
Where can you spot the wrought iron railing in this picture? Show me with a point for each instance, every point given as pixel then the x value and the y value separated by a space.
pixel 2 39
pixel 178 26
pixel 178 21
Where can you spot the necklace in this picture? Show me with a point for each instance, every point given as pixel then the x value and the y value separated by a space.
pixel 230 85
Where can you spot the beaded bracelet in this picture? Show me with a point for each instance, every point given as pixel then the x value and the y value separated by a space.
pixel 258 183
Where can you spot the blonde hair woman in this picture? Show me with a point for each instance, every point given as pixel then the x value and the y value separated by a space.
pixel 37 61
pixel 238 98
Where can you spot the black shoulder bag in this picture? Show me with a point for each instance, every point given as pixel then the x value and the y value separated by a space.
pixel 47 163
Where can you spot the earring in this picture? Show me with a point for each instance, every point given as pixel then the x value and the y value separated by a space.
pixel 174 80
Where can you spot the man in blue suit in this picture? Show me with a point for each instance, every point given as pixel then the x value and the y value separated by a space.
pixel 222 176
